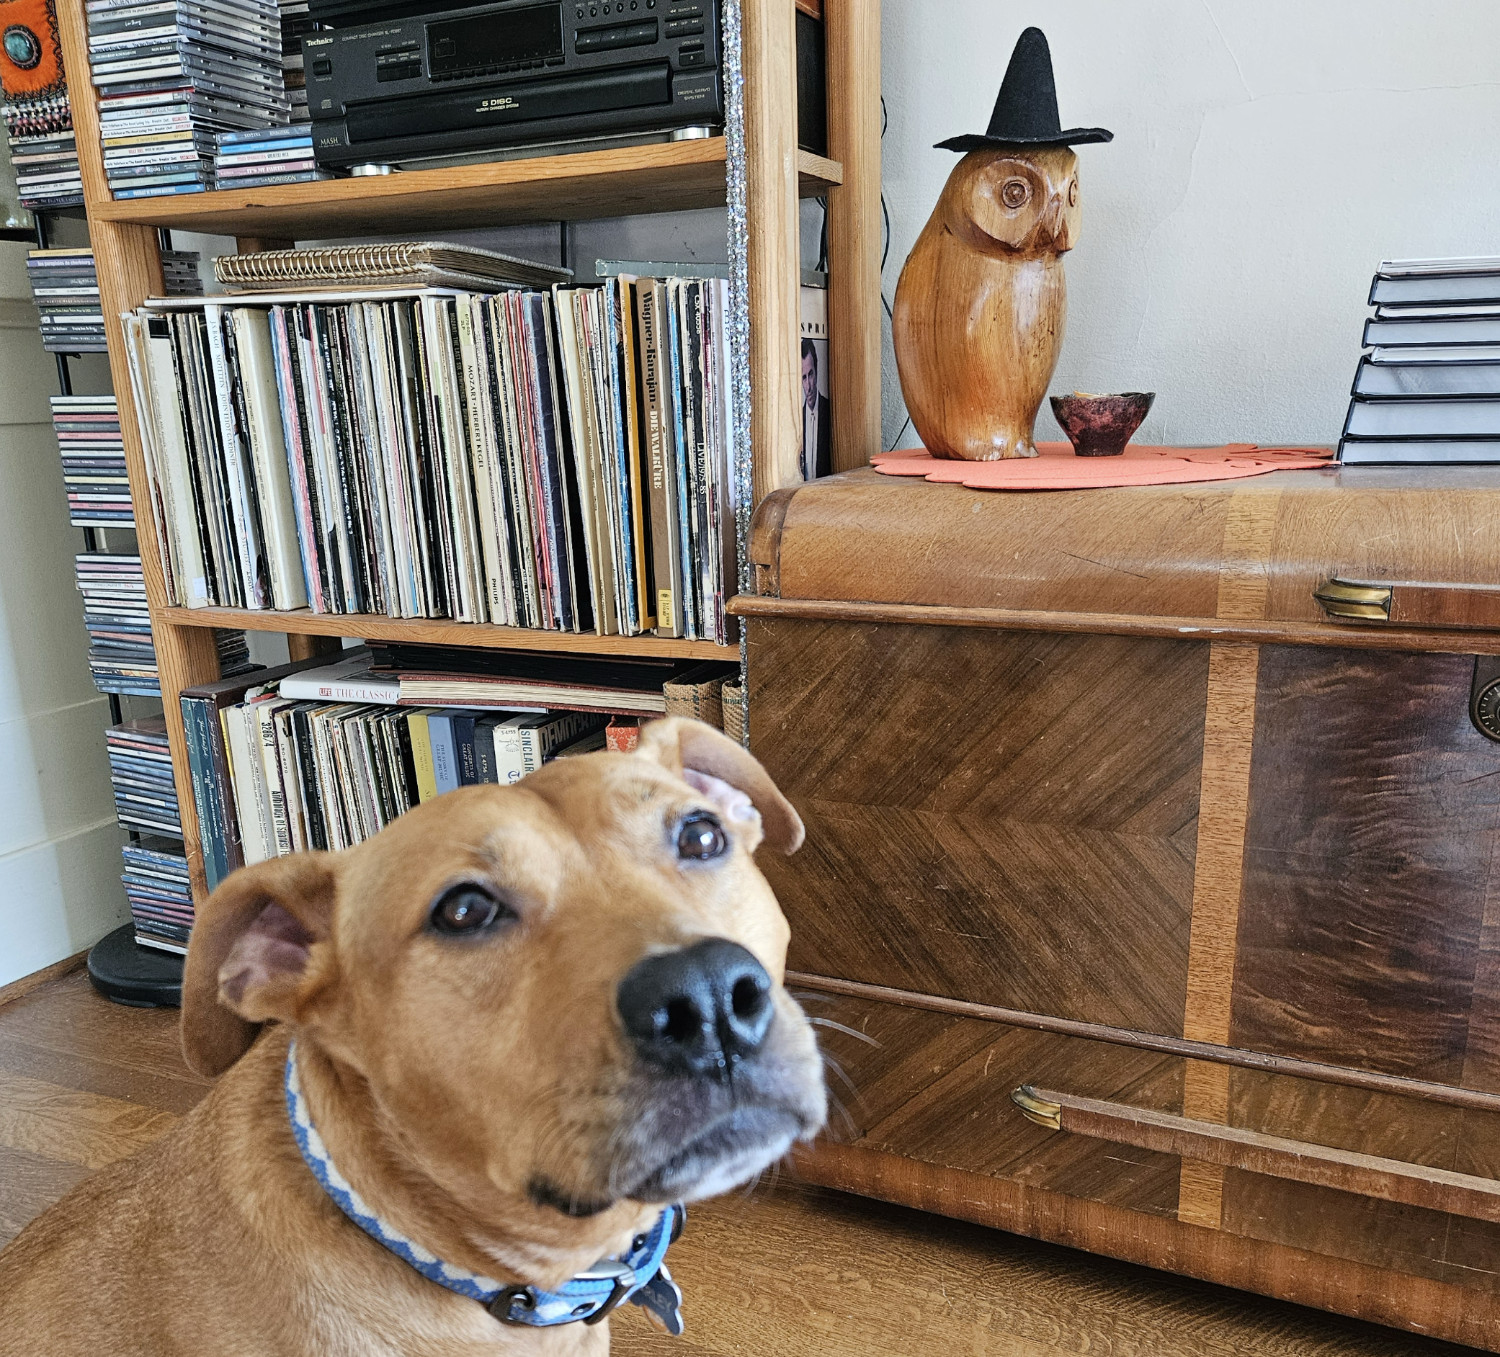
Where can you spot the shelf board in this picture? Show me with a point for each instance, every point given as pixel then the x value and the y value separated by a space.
pixel 439 632
pixel 623 181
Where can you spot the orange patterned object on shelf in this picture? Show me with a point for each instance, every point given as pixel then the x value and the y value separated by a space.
pixel 30 55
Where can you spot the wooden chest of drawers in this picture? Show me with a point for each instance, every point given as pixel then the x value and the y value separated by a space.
pixel 1161 903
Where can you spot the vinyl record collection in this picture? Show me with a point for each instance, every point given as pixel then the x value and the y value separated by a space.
pixel 65 287
pixel 93 461
pixel 38 116
pixel 121 653
pixel 159 891
pixel 548 459
pixel 140 766
pixel 170 75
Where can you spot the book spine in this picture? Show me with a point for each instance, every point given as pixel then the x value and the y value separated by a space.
pixel 281 832
pixel 421 754
pixel 654 434
pixel 375 692
pixel 307 764
pixel 465 755
pixel 196 713
pixel 268 457
pixel 248 779
pixel 622 734
pixel 444 752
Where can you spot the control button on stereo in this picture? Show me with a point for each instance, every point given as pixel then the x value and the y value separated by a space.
pixel 681 28
pixel 692 56
pixel 322 68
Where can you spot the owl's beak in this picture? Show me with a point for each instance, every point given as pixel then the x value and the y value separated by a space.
pixel 1055 222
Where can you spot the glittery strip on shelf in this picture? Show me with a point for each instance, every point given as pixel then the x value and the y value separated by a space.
pixel 739 303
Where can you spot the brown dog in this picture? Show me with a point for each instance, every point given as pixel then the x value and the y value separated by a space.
pixel 525 1019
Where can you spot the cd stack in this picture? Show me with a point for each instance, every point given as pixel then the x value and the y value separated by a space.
pixel 65 288
pixel 38 119
pixel 171 74
pixel 93 458
pixel 122 655
pixel 274 155
pixel 296 23
pixel 140 766
pixel 160 895
pixel 179 271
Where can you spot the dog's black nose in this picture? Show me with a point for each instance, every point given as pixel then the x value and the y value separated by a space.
pixel 699 1009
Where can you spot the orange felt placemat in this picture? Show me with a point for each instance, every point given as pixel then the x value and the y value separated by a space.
pixel 1057 468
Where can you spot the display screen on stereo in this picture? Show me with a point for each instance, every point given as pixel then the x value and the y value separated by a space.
pixel 497 39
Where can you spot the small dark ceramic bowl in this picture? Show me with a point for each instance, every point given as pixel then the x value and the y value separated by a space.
pixel 1101 426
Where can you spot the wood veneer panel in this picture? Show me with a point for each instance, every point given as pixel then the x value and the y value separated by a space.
pixel 1345 1286
pixel 1421 524
pixel 1406 1240
pixel 1004 818
pixel 1338 636
pixel 937 1089
pixel 1144 551
pixel 1374 818
pixel 885 539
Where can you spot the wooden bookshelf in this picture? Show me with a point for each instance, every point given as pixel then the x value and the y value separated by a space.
pixel 595 184
pixel 616 183
pixel 441 632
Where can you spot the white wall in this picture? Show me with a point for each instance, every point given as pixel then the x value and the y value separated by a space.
pixel 59 846
pixel 1267 155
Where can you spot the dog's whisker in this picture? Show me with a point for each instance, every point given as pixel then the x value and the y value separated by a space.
pixel 838 1072
pixel 847 1031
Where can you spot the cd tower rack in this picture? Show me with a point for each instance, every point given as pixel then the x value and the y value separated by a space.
pixel 765 162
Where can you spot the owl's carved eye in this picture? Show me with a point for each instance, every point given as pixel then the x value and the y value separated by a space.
pixel 1014 193
pixel 1073 193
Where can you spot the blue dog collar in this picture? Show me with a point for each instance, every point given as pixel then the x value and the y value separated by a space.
pixel 640 1277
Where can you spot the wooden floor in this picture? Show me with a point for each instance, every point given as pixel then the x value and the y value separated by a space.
pixel 793 1271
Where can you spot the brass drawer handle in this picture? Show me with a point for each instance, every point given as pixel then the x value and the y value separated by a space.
pixel 1301 1161
pixel 1039 1110
pixel 1345 598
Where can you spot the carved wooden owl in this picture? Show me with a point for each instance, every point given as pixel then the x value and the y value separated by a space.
pixel 982 301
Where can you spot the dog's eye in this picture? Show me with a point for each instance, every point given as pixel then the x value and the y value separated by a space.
pixel 465 909
pixel 701 837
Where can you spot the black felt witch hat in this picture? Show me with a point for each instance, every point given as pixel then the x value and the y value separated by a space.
pixel 1026 110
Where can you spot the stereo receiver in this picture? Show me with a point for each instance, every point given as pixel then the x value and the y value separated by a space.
pixel 388 86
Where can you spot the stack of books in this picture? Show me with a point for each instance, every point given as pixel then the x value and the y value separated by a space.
pixel 122 655
pixel 1428 389
pixel 171 74
pixel 160 893
pixel 65 287
pixel 325 756
pixel 93 460
pixel 275 155
pixel 38 116
pixel 550 459
pixel 140 766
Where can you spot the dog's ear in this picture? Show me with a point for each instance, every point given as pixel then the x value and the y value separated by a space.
pixel 726 773
pixel 251 958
